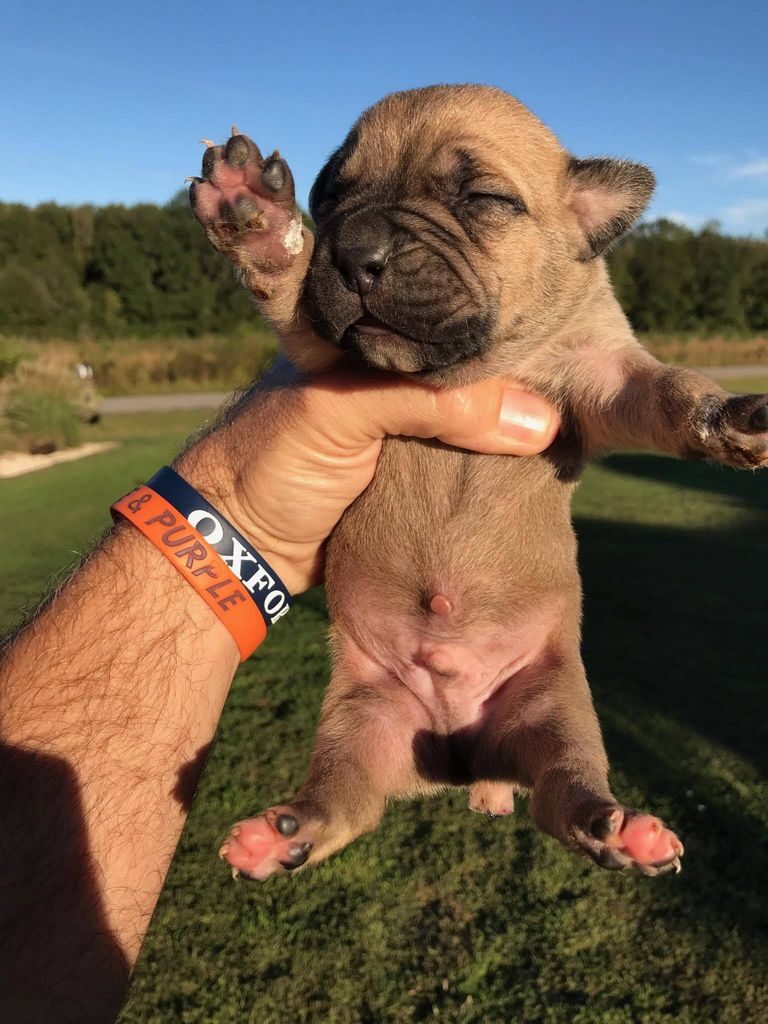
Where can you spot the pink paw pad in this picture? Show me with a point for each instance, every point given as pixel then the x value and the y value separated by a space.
pixel 631 838
pixel 246 203
pixel 272 842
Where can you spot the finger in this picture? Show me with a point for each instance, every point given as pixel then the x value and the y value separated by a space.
pixel 526 424
pixel 491 416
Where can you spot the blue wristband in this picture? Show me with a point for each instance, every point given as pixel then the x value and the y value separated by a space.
pixel 268 591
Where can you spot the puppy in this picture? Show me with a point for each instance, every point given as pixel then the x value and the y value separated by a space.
pixel 457 239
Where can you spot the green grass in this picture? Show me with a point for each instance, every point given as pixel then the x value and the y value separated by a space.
pixel 55 515
pixel 745 385
pixel 442 914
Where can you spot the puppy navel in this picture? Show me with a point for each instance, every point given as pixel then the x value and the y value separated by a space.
pixel 440 605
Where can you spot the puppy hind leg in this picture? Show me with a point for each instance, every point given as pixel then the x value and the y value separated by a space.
pixel 546 737
pixel 363 756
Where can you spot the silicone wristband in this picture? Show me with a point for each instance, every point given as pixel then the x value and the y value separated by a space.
pixel 258 577
pixel 188 551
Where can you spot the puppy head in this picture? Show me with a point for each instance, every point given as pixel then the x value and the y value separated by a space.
pixel 450 220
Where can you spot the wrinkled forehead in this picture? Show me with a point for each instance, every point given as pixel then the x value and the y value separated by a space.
pixel 453 133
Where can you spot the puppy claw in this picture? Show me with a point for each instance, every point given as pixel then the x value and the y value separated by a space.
pixel 207 143
pixel 235 874
pixel 235 130
pixel 676 866
pixel 665 868
pixel 223 851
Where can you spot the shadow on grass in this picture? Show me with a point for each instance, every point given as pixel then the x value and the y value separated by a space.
pixel 675 648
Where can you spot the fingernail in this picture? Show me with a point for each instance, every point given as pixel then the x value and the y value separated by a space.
pixel 524 417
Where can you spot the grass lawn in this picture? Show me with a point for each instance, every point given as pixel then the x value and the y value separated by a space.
pixel 744 385
pixel 443 914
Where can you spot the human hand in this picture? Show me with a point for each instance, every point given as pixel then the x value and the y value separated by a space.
pixel 289 462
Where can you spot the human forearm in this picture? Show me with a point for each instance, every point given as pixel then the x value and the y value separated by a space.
pixel 107 701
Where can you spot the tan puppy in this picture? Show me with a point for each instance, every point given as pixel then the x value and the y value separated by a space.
pixel 457 239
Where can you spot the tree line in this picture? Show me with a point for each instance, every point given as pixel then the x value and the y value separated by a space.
pixel 149 271
pixel 114 271
pixel 672 280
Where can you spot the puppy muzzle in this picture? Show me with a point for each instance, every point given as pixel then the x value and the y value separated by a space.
pixel 393 300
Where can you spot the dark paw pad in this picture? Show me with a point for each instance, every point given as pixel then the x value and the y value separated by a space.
pixel 607 824
pixel 275 174
pixel 238 150
pixel 736 431
pixel 286 824
pixel 747 413
pixel 758 421
pixel 297 855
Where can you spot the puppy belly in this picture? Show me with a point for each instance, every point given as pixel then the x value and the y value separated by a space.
pixel 454 676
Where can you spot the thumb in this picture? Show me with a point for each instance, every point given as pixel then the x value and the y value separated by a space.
pixel 491 416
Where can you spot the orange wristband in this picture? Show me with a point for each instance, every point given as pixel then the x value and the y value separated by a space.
pixel 201 566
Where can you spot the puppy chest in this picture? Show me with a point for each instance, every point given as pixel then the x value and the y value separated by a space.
pixel 476 536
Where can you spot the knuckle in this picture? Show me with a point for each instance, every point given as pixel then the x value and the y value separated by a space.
pixel 454 408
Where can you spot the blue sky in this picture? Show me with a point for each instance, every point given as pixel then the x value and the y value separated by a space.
pixel 104 102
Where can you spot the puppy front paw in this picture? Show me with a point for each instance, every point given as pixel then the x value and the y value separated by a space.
pixel 247 205
pixel 616 838
pixel 734 431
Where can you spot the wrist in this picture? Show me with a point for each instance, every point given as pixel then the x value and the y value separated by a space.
pixel 207 469
pixel 136 559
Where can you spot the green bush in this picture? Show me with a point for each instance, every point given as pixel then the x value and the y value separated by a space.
pixel 11 355
pixel 42 417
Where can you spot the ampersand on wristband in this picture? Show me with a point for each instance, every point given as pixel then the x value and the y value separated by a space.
pixel 187 550
pixel 136 504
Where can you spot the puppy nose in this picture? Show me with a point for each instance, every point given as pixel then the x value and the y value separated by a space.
pixel 361 265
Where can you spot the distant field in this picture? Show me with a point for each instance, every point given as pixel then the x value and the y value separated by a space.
pixel 443 915
pixel 130 366
pixel 717 351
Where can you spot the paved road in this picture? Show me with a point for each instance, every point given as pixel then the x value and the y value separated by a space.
pixel 213 399
pixel 732 372
pixel 164 403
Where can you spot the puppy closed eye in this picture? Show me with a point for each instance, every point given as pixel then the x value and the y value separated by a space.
pixel 480 201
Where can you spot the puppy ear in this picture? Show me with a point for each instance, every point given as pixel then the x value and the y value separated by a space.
pixel 607 197
pixel 318 192
pixel 323 188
